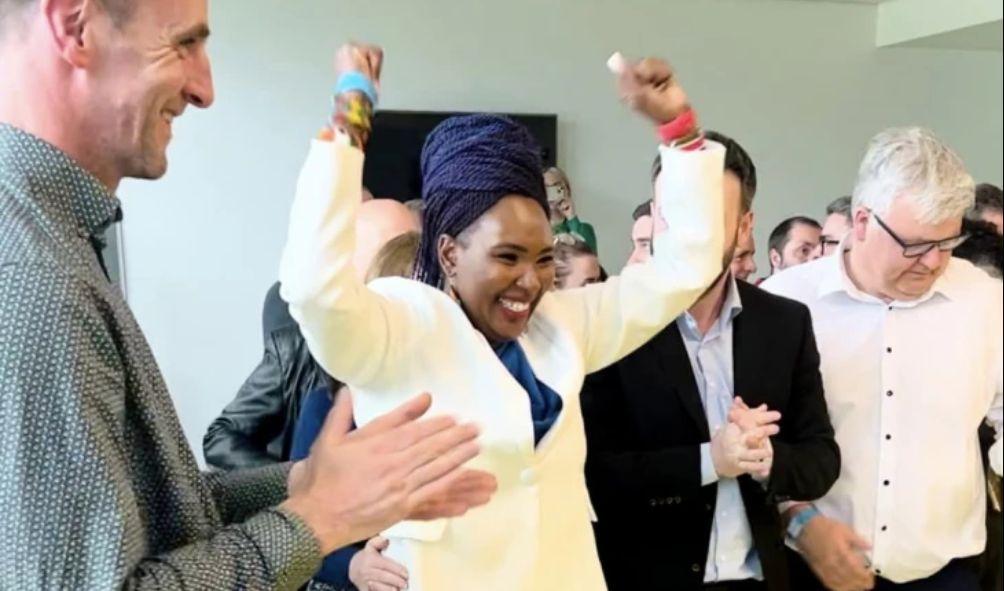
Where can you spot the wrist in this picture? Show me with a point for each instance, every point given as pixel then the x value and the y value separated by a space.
pixel 329 536
pixel 356 81
pixel 798 518
pixel 682 131
pixel 723 468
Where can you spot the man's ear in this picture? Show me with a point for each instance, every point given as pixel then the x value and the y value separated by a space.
pixel 68 23
pixel 775 259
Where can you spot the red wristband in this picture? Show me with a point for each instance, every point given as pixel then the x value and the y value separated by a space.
pixel 678 128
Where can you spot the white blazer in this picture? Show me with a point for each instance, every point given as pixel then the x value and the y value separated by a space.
pixel 395 338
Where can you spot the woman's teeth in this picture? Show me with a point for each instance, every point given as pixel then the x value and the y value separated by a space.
pixel 514 306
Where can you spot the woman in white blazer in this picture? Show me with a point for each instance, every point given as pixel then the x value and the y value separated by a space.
pixel 487 290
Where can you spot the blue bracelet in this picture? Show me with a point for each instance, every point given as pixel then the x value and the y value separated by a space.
pixel 359 82
pixel 800 520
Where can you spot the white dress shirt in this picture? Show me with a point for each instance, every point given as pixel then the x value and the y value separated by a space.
pixel 908 385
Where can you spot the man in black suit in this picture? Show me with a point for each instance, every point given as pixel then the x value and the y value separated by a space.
pixel 685 482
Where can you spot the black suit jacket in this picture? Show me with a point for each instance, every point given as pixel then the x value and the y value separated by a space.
pixel 256 428
pixel 645 424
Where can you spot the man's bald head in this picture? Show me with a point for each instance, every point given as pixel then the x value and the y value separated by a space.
pixel 380 221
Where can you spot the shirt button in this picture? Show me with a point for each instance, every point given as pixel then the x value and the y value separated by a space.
pixel 885 527
pixel 888 349
pixel 888 393
pixel 885 483
pixel 528 477
pixel 888 437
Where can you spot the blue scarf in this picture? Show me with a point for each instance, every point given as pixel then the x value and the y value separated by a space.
pixel 545 404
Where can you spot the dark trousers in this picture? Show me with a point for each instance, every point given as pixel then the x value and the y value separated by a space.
pixel 992 568
pixel 750 585
pixel 958 575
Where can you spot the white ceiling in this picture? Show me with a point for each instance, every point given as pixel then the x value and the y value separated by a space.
pixel 985 36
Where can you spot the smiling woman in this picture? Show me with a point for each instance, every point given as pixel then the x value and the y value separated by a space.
pixel 487 237
pixel 482 331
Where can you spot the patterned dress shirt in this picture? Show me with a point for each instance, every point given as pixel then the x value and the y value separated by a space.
pixel 98 487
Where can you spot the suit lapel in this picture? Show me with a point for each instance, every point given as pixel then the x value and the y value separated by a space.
pixel 744 351
pixel 675 363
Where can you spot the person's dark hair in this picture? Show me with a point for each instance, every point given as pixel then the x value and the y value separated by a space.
pixel 984 247
pixel 988 198
pixel 737 161
pixel 641 211
pixel 780 235
pixel 841 206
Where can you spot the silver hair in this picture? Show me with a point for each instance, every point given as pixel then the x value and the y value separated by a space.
pixel 911 162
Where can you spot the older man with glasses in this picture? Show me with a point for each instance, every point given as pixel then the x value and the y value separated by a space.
pixel 910 341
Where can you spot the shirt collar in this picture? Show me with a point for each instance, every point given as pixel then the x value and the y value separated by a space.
pixel 834 279
pixel 732 305
pixel 64 194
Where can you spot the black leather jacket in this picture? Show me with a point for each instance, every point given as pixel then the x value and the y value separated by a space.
pixel 256 428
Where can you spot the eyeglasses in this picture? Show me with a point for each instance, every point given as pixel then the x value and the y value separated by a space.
pixel 825 244
pixel 919 249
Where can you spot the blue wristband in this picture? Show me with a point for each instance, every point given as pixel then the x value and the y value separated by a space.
pixel 359 82
pixel 800 520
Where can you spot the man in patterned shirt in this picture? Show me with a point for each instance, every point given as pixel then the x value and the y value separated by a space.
pixel 98 489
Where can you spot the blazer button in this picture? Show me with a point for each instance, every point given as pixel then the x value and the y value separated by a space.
pixel 679 500
pixel 653 502
pixel 528 477
pixel 695 567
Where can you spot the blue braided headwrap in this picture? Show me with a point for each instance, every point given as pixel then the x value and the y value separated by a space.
pixel 469 163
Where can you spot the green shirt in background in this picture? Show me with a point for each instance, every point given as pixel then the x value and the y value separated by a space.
pixel 578 228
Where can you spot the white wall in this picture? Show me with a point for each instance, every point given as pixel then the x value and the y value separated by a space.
pixel 800 84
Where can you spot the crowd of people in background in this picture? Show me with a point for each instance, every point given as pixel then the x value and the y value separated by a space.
pixel 455 394
pixel 626 480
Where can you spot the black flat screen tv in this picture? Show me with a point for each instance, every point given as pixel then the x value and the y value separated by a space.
pixel 392 156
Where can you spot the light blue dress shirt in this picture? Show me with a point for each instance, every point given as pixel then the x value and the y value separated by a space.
pixel 731 555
